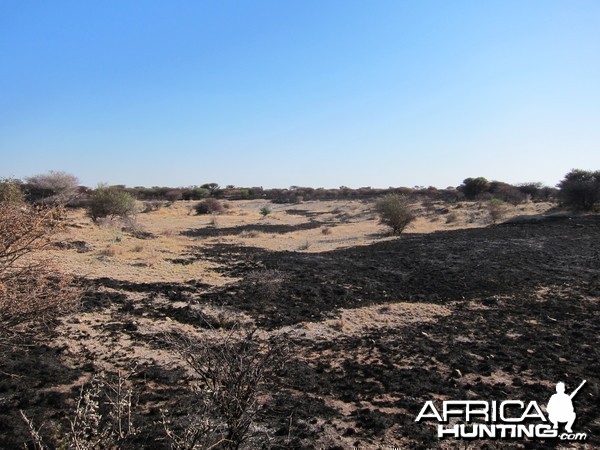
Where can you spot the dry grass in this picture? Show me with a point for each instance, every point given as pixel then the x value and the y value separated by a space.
pixel 125 257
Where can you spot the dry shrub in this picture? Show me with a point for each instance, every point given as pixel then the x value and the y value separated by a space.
pixel 138 248
pixel 10 191
pixel 169 232
pixel 133 227
pixel 209 206
pixel 304 246
pixel 32 292
pixel 53 188
pixel 230 378
pixel 496 210
pixel 452 217
pixel 326 231
pixel 110 251
pixel 265 284
pixel 395 212
pixel 152 205
pixel 103 417
pixel 249 234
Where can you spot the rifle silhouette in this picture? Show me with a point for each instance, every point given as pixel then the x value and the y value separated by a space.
pixel 577 390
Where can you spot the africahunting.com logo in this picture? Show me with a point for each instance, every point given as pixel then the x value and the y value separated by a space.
pixel 508 419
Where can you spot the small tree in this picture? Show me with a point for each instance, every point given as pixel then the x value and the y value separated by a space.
pixel 496 209
pixel 111 201
pixel 473 187
pixel 395 212
pixel 213 188
pixel 580 189
pixel 53 187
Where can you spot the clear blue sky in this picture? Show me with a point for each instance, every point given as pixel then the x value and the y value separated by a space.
pixel 313 93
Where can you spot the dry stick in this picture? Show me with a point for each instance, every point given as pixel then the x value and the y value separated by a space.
pixel 38 443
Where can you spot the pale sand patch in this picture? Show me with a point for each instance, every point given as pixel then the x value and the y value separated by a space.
pixel 352 322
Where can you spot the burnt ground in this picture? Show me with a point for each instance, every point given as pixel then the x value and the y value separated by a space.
pixel 525 313
pixel 438 267
pixel 259 228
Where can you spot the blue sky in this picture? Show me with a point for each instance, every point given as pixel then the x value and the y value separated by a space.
pixel 311 93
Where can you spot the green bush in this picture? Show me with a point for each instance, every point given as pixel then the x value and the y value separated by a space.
pixel 265 211
pixel 395 212
pixel 111 201
pixel 194 193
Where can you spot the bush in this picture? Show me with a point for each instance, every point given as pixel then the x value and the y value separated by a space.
pixel 580 189
pixel 507 193
pixel 31 291
pixel 53 187
pixel 104 417
pixel 231 377
pixel 496 209
pixel 209 206
pixel 395 212
pixel 152 205
pixel 111 201
pixel 194 193
pixel 10 191
pixel 452 217
pixel 473 187
pixel 265 284
pixel 265 211
pixel 173 195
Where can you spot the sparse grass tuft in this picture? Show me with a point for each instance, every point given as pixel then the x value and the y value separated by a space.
pixel 304 246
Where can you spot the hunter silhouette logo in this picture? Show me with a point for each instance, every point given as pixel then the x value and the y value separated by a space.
pixel 560 407
pixel 508 419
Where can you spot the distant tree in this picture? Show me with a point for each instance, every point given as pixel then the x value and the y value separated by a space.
pixel 395 212
pixel 111 201
pixel 173 195
pixel 580 189
pixel 52 187
pixel 213 188
pixel 473 187
pixel 530 189
pixel 195 193
pixel 506 192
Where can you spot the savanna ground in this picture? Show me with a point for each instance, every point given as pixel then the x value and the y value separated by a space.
pixel 374 325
